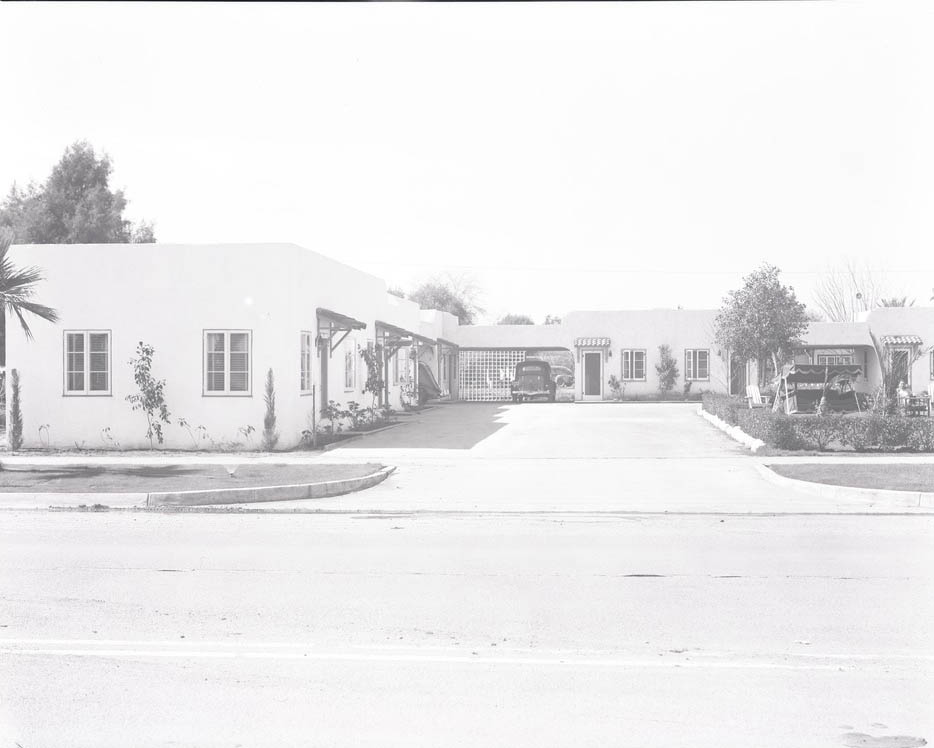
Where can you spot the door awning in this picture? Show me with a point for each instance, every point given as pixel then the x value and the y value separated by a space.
pixel 901 340
pixel 399 336
pixel 333 327
pixel 592 342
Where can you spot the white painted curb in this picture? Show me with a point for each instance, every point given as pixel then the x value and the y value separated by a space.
pixel 913 499
pixel 734 432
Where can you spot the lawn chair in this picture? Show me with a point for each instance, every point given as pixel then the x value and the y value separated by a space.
pixel 755 398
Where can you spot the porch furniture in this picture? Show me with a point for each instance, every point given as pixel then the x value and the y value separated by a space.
pixel 803 385
pixel 915 405
pixel 755 398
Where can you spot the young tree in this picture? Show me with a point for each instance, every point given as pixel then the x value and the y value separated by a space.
pixel 516 319
pixel 270 435
pixel 552 319
pixel 456 296
pixel 667 369
pixel 763 319
pixel 16 413
pixel 75 205
pixel 151 396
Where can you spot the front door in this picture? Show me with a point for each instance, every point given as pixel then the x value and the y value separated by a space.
pixel 593 375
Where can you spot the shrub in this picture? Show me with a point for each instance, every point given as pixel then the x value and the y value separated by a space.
pixel 16 414
pixel 151 396
pixel 617 387
pixel 862 433
pixel 667 369
pixel 270 435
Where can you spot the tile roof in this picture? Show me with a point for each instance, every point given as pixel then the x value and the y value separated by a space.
pixel 901 340
pixel 592 342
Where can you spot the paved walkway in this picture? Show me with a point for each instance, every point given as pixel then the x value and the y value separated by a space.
pixel 602 457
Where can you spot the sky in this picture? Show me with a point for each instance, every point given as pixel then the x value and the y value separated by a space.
pixel 560 155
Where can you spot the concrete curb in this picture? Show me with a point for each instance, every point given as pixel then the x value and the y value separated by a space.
pixel 913 499
pixel 734 432
pixel 321 490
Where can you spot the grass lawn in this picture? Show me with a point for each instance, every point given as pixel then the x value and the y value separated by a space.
pixel 907 477
pixel 158 478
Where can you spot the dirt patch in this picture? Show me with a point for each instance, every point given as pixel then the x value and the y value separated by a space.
pixel 169 478
pixel 891 476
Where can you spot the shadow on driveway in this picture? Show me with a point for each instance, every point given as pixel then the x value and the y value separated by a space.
pixel 448 426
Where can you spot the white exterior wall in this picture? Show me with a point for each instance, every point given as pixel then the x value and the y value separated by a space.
pixel 166 296
pixel 647 330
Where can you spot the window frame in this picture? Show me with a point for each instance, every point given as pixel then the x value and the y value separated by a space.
pixel 309 336
pixel 87 391
pixel 226 392
pixel 836 359
pixel 691 353
pixel 631 358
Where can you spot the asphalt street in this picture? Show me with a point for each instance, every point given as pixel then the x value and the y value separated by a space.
pixel 444 624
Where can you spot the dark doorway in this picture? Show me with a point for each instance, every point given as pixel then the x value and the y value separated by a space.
pixel 593 363
pixel 737 376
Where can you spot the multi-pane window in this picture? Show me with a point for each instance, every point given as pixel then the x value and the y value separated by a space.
pixel 227 362
pixel 87 362
pixel 633 365
pixel 349 366
pixel 834 359
pixel 696 364
pixel 306 362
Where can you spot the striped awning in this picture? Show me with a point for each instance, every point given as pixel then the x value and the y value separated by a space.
pixel 901 340
pixel 592 342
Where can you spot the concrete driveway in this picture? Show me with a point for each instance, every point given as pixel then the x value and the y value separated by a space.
pixel 601 457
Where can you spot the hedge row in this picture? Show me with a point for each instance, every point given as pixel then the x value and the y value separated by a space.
pixel 861 432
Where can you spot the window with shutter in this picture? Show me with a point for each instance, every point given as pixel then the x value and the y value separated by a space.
pixel 696 364
pixel 227 362
pixel 87 362
pixel 633 365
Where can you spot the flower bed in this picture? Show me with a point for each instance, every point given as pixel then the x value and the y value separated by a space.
pixel 862 433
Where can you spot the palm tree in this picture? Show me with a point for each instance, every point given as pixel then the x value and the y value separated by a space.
pixel 17 287
pixel 896 301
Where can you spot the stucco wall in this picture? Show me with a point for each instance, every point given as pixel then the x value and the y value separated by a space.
pixel 167 295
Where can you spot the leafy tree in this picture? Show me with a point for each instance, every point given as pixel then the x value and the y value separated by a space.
pixel 516 319
pixel 762 320
pixel 75 205
pixel 551 319
pixel 456 296
pixel 17 289
pixel 270 435
pixel 151 396
pixel 667 369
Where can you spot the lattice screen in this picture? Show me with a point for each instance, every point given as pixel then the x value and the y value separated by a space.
pixel 484 376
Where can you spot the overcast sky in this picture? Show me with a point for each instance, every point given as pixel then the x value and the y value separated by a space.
pixel 567 156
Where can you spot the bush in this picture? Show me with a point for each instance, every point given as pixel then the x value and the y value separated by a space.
pixel 862 433
pixel 270 435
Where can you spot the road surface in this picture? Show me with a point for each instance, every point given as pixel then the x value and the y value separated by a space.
pixel 449 629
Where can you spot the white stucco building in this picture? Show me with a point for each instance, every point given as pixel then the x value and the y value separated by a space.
pixel 219 317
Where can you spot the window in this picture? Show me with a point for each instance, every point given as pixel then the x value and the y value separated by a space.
pixel 227 362
pixel 350 366
pixel 87 362
pixel 834 360
pixel 633 365
pixel 306 362
pixel 696 364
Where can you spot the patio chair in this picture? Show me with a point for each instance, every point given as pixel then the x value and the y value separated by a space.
pixel 755 398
